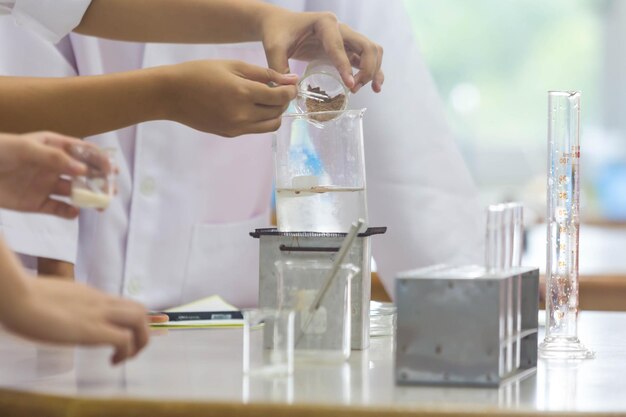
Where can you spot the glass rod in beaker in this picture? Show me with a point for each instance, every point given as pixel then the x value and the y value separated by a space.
pixel 561 338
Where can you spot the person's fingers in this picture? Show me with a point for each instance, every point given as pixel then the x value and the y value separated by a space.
pixel 124 347
pixel 63 144
pixel 56 161
pixel 154 318
pixel 327 31
pixel 96 160
pixel 58 208
pixel 379 79
pixel 370 56
pixel 265 75
pixel 57 140
pixel 276 55
pixel 264 126
pixel 279 95
pixel 368 66
pixel 121 339
pixel 132 316
pixel 355 59
pixel 63 187
pixel 261 112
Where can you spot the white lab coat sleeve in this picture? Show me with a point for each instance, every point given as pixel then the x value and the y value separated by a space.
pixel 417 182
pixel 51 19
pixel 40 235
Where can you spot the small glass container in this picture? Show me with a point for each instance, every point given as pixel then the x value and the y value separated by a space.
pixel 96 188
pixel 321 336
pixel 321 90
pixel 268 358
pixel 382 319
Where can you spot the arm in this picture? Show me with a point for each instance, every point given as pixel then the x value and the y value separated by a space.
pixel 227 98
pixel 284 34
pixel 68 313
pixel 79 106
pixel 181 21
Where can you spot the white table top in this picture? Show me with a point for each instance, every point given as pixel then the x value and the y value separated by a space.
pixel 205 365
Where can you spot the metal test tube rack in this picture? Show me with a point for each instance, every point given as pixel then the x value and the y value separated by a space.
pixel 471 325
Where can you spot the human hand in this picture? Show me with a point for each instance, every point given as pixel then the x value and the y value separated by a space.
pixel 156 318
pixel 31 166
pixel 228 98
pixel 69 313
pixel 308 36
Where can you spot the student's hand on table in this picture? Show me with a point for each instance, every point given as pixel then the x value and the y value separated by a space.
pixel 70 313
pixel 31 166
pixel 307 36
pixel 228 98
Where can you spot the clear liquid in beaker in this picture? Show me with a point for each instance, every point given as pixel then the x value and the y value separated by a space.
pixel 320 208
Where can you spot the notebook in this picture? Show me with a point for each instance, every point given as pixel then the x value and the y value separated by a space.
pixel 212 303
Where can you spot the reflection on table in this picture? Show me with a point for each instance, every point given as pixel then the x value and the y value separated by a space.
pixel 205 366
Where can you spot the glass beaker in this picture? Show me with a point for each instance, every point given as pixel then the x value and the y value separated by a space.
pixel 321 89
pixel 322 335
pixel 320 172
pixel 277 359
pixel 96 188
pixel 563 219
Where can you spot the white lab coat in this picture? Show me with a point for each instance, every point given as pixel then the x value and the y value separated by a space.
pixel 187 200
pixel 50 19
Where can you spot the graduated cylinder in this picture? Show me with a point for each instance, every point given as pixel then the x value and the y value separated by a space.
pixel 563 219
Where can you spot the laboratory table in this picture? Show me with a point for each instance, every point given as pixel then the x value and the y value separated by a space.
pixel 197 372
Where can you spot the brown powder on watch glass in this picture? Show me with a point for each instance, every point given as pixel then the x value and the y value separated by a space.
pixel 328 104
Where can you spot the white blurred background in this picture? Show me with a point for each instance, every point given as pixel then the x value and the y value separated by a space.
pixel 493 63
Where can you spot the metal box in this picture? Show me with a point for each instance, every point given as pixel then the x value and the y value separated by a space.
pixel 465 325
pixel 275 245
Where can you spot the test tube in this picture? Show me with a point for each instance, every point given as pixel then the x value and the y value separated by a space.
pixel 494 250
pixel 561 338
pixel 508 238
pixel 518 234
pixel 504 236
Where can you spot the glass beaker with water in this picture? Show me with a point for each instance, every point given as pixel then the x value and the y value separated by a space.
pixel 321 335
pixel 320 171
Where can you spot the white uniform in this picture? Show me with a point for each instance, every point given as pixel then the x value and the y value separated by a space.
pixel 51 19
pixel 187 200
pixel 24 52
